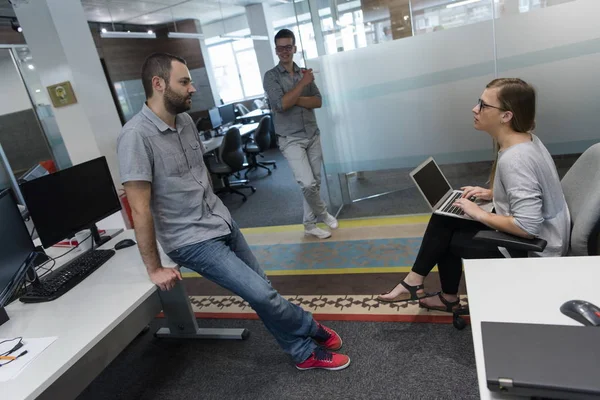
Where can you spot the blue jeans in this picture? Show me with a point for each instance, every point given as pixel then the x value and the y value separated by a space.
pixel 229 262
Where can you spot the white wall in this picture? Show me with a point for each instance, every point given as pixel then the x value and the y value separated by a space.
pixel 14 95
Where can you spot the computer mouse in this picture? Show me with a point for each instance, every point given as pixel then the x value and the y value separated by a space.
pixel 124 244
pixel 581 311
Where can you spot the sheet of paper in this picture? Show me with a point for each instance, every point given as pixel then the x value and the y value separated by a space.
pixel 34 347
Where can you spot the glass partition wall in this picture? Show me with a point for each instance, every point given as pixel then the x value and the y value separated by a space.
pixel 399 79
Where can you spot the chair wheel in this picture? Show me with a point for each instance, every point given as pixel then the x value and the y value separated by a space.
pixel 275 166
pixel 270 172
pixel 244 199
pixel 253 189
pixel 459 322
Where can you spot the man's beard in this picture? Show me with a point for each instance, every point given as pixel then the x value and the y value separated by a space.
pixel 175 103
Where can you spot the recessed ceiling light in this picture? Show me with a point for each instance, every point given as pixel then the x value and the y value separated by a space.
pixel 31 67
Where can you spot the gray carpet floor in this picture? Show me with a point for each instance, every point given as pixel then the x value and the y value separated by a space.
pixel 389 361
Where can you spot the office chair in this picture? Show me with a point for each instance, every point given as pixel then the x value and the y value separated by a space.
pixel 257 104
pixel 232 161
pixel 241 109
pixel 260 142
pixel 581 186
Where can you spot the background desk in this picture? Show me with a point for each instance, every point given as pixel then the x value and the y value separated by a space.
pixel 527 290
pixel 254 115
pixel 214 143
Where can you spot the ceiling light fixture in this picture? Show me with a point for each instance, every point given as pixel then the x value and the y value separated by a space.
pixel 114 34
pixel 127 35
pixel 183 35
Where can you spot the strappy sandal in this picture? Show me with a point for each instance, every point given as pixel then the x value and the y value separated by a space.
pixel 410 296
pixel 449 306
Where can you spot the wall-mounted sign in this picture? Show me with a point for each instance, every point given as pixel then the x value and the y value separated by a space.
pixel 62 94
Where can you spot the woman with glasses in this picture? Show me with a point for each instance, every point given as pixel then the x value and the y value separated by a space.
pixel 524 187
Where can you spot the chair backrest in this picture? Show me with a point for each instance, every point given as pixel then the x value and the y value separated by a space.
pixel 257 104
pixel 231 150
pixel 581 186
pixel 241 109
pixel 262 135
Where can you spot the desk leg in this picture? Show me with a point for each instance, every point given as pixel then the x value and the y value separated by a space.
pixel 181 321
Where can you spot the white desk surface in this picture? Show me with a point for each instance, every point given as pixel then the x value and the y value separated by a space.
pixel 527 290
pixel 80 318
pixel 215 142
pixel 255 113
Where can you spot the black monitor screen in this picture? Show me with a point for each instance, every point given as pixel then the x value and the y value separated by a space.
pixel 227 113
pixel 432 183
pixel 16 245
pixel 70 200
pixel 215 117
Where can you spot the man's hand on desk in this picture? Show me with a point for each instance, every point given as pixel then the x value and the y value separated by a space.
pixel 165 278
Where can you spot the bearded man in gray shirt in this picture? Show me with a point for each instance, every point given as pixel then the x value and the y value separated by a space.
pixel 172 200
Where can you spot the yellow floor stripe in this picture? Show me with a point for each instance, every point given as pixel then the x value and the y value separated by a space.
pixel 349 223
pixel 329 271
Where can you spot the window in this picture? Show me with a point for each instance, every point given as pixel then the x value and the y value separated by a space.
pixel 236 70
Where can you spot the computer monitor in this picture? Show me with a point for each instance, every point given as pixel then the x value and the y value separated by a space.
pixel 215 117
pixel 73 199
pixel 17 250
pixel 227 112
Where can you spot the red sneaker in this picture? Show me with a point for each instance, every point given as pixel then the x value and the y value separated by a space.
pixel 327 338
pixel 323 359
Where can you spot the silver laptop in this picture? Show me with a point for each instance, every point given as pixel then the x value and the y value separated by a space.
pixel 542 361
pixel 437 191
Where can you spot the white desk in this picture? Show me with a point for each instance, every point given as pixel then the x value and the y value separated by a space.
pixel 259 113
pixel 214 143
pixel 94 322
pixel 527 290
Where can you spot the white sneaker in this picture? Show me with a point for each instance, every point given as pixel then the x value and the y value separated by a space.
pixel 318 232
pixel 330 221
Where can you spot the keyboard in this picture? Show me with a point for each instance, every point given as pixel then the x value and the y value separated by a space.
pixel 449 208
pixel 61 281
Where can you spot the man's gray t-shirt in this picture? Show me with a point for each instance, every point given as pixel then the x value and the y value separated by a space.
pixel 527 187
pixel 184 206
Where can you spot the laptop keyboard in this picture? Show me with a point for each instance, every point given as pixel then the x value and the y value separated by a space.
pixel 449 208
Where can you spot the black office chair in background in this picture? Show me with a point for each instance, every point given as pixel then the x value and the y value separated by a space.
pixel 260 142
pixel 232 161
pixel 581 186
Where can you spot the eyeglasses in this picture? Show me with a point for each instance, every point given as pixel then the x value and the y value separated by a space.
pixel 281 49
pixel 15 347
pixel 482 105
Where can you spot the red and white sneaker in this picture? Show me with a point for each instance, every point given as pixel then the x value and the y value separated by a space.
pixel 327 338
pixel 323 359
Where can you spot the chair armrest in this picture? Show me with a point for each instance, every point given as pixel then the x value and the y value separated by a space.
pixel 509 241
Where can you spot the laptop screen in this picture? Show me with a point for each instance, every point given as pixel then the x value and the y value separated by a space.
pixel 431 182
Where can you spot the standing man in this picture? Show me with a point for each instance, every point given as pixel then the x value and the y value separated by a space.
pixel 172 200
pixel 293 95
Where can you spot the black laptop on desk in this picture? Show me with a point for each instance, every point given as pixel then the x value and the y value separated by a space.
pixel 542 361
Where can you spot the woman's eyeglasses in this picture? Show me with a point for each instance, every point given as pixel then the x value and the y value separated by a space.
pixel 483 105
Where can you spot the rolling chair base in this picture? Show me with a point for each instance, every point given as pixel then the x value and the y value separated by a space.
pixel 263 164
pixel 232 190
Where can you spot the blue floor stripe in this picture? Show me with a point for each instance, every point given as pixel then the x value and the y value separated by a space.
pixel 374 253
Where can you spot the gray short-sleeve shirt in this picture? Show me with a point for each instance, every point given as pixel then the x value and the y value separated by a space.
pixel 296 121
pixel 184 206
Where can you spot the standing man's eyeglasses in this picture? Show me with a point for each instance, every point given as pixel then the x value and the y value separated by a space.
pixel 483 105
pixel 281 49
